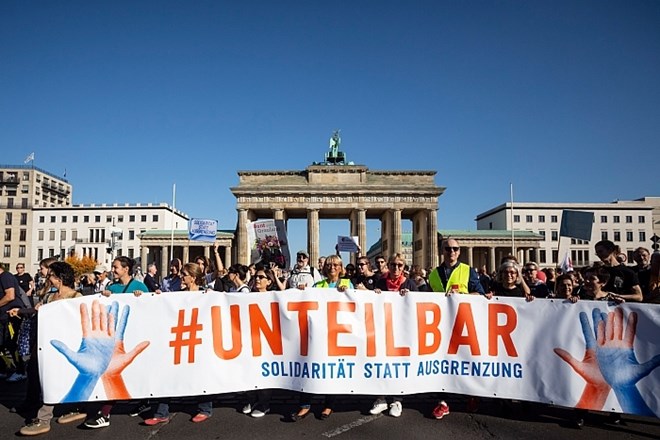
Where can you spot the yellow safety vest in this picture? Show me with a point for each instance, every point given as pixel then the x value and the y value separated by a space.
pixel 342 282
pixel 459 276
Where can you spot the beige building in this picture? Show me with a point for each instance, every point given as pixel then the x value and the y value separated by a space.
pixel 23 188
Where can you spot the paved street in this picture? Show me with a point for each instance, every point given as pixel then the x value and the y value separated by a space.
pixel 350 420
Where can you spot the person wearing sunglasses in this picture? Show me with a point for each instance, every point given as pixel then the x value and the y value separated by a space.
pixel 394 280
pixel 264 281
pixel 365 278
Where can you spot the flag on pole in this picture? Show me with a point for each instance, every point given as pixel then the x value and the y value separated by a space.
pixel 30 158
pixel 566 264
pixel 576 224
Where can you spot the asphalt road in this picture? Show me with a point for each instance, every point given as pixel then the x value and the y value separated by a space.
pixel 350 420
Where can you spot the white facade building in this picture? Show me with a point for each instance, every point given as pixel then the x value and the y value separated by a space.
pixel 628 224
pixel 99 231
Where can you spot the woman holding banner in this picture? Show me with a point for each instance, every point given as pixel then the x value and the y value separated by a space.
pixel 394 281
pixel 193 280
pixel 333 273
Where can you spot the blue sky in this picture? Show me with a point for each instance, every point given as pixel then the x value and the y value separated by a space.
pixel 560 98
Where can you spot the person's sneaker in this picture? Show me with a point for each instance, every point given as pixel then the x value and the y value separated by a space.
pixel 378 407
pixel 36 427
pixel 247 409
pixel 257 413
pixel 100 421
pixel 200 417
pixel 156 421
pixel 140 409
pixel 441 410
pixel 16 377
pixel 71 417
pixel 396 409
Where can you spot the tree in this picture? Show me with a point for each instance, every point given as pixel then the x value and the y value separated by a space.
pixel 82 265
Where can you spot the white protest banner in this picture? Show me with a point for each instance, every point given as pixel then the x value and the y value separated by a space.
pixel 200 229
pixel 588 354
pixel 347 244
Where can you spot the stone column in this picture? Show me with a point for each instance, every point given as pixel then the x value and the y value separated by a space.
pixel 396 231
pixel 242 237
pixel 186 253
pixel 278 214
pixel 470 255
pixel 207 251
pixel 491 260
pixel 164 262
pixel 362 229
pixel 144 253
pixel 313 235
pixel 431 259
pixel 227 261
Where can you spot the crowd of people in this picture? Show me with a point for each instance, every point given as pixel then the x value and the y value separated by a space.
pixel 21 297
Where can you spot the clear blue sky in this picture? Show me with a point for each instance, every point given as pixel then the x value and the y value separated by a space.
pixel 560 98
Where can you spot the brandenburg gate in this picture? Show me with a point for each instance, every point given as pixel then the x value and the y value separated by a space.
pixel 335 189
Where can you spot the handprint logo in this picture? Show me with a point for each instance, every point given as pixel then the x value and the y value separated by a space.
pixel 101 353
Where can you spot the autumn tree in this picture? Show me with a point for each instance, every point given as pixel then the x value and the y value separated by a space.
pixel 82 265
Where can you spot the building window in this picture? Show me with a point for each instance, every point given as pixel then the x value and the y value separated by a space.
pixel 74 235
pixel 629 219
pixel 573 241
pixel 131 234
pixel 64 219
pixel 131 218
pixel 8 218
pixel 41 237
pixel 86 219
pixel 21 251
pixel 603 235
pixel 554 236
pixel 7 251
pixel 22 235
pixel 490 225
pixel 541 219
pixel 40 254
pixel 108 219
pixel 10 203
pixel 641 219
pixel 97 219
pixel 542 234
pixel 120 218
pixel 25 189
pixel 24 203
pixel 26 176
pixel 51 235
pixel 555 256
pixel 528 218
pixel 629 237
pixel 63 234
pixel 642 236
pixel 143 218
pixel 74 219
pixel 516 219
pixel 553 219
pixel 131 253
pixel 155 218
pixel 617 236
pixel 542 257
pixel 7 234
pixel 603 219
pixel 616 219
pixel 51 252
pixel 24 218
